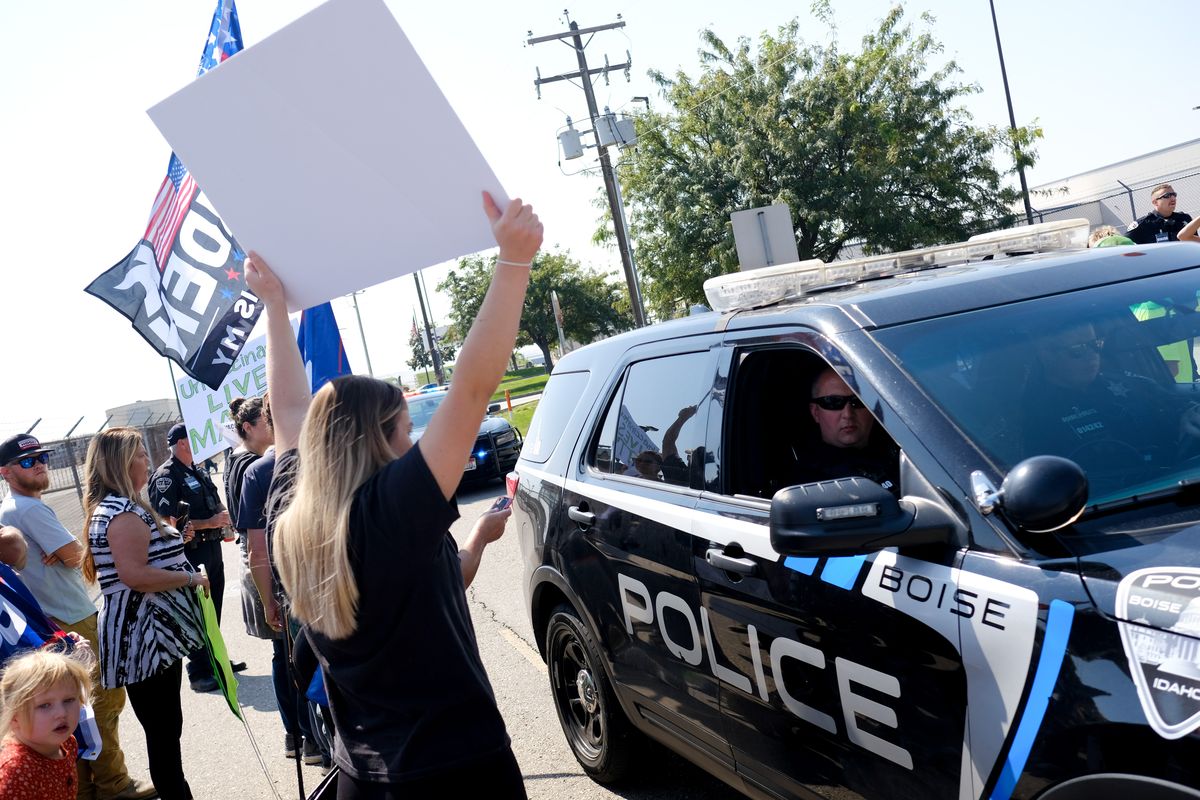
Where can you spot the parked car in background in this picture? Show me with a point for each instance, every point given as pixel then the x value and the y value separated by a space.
pixel 496 449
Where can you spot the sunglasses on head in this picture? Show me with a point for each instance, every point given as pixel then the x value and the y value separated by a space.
pixel 28 461
pixel 1166 196
pixel 836 402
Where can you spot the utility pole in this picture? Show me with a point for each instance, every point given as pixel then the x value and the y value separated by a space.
pixel 575 34
pixel 361 334
pixel 1012 118
pixel 433 351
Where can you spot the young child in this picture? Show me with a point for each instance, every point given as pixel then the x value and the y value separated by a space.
pixel 40 695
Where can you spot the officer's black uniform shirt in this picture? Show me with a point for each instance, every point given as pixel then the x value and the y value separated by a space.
pixel 879 461
pixel 174 481
pixel 1146 229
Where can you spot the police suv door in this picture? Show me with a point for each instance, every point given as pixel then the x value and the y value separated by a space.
pixel 825 680
pixel 629 556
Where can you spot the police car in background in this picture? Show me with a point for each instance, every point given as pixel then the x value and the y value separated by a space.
pixel 496 447
pixel 1022 620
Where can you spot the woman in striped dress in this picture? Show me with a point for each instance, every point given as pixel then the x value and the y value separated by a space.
pixel 151 617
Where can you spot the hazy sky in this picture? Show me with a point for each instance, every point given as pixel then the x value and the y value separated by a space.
pixel 80 161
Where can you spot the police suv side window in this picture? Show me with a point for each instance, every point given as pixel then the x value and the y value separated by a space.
pixel 652 430
pixel 559 399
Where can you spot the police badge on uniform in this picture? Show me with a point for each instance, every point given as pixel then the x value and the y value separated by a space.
pixel 162 483
pixel 1162 643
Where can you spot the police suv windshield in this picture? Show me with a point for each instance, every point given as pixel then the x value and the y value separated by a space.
pixel 1106 377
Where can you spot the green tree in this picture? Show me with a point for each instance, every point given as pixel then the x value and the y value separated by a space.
pixel 868 146
pixel 421 360
pixel 589 301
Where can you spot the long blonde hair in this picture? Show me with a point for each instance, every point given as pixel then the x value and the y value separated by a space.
pixel 29 674
pixel 107 471
pixel 343 442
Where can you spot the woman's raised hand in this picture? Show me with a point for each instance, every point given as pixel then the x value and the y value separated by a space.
pixel 262 281
pixel 517 230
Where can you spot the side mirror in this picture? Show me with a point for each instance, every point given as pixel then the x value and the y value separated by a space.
pixel 850 516
pixel 1040 494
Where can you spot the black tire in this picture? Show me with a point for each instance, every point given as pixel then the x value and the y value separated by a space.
pixel 600 736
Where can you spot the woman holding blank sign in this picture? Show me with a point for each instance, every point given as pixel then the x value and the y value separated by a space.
pixel 365 554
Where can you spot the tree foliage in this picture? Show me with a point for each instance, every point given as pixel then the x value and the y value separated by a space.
pixel 589 301
pixel 868 146
pixel 421 360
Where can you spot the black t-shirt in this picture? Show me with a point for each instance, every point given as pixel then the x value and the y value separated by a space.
pixel 256 484
pixel 235 474
pixel 408 689
pixel 280 479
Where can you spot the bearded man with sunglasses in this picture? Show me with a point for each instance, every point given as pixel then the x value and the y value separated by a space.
pixel 1164 223
pixel 52 574
pixel 850 443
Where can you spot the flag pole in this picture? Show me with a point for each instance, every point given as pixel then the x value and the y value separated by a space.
pixel 175 388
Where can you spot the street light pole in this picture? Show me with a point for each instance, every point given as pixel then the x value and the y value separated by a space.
pixel 1012 118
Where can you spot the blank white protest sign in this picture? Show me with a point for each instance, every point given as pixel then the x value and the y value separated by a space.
pixel 329 149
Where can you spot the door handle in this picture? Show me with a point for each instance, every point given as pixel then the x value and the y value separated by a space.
pixel 742 566
pixel 585 518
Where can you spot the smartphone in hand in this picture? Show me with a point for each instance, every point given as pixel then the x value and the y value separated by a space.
pixel 501 504
pixel 183 515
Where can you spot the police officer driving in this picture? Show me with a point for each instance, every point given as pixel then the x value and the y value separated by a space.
pixel 180 480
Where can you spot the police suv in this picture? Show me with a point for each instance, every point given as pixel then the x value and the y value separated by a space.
pixel 1018 617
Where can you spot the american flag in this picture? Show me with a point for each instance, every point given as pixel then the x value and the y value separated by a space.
pixel 179 188
pixel 202 318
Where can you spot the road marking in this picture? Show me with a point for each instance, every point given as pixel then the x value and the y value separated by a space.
pixel 524 649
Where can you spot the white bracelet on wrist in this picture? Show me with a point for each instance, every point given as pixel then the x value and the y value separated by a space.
pixel 506 262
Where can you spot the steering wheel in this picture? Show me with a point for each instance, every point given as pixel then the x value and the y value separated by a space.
pixel 1110 463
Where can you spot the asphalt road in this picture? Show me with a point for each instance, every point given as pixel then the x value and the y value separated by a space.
pixel 219 751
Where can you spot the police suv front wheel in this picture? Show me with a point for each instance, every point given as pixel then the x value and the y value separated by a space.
pixel 600 736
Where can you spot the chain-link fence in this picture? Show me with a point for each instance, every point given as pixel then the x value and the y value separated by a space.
pixel 1121 207
pixel 1118 208
pixel 66 462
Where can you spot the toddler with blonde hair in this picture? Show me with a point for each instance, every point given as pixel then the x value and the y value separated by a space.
pixel 41 693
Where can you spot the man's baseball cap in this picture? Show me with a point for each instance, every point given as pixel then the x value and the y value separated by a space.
pixel 19 446
pixel 178 431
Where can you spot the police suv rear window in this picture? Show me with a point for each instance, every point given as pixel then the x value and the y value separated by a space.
pixel 559 399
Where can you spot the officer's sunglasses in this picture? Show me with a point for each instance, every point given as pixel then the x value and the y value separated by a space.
pixel 836 402
pixel 1084 349
pixel 1166 196
pixel 28 461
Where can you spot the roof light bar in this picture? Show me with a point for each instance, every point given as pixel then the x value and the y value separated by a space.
pixel 768 285
pixel 762 287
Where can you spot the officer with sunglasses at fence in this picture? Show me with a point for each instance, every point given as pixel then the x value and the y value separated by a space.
pixel 1164 223
pixel 850 444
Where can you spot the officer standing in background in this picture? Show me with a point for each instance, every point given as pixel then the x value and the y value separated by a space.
pixel 180 479
pixel 1164 223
